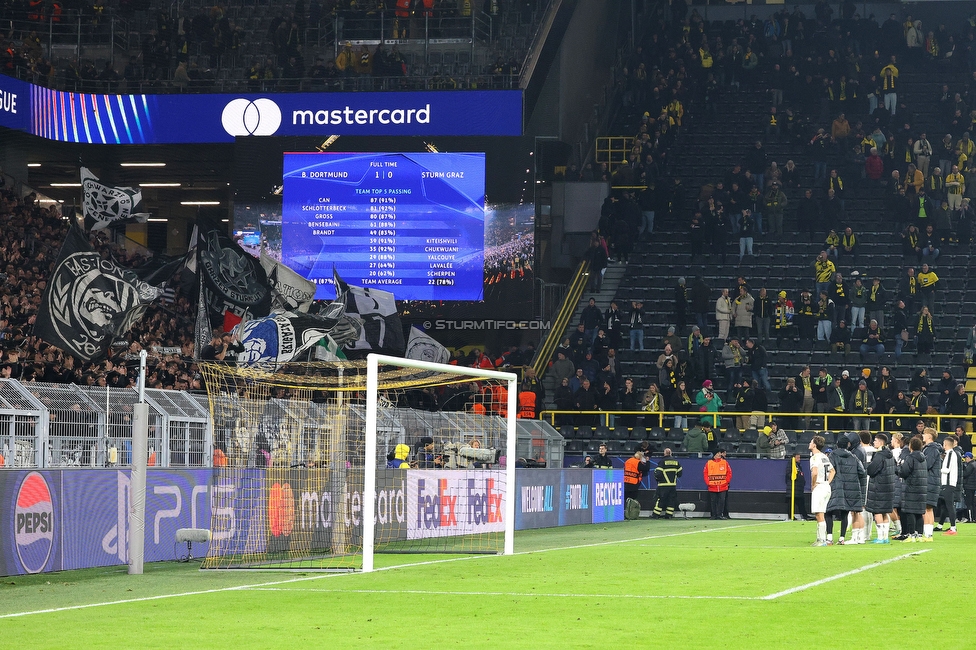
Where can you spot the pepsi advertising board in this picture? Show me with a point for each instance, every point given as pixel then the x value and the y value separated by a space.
pixel 213 118
pixel 31 513
pixel 412 224
pixel 75 519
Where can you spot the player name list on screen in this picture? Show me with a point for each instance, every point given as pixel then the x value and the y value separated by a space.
pixel 409 223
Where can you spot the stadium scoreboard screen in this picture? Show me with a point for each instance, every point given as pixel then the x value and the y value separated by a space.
pixel 409 223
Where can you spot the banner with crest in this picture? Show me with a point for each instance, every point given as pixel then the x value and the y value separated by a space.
pixel 89 301
pixel 105 205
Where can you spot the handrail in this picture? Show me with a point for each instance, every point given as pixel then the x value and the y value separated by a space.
pixel 573 293
pixel 824 418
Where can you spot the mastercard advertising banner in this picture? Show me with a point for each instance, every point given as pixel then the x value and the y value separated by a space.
pixel 95 118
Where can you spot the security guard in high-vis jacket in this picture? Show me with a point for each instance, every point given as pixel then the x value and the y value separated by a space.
pixel 666 474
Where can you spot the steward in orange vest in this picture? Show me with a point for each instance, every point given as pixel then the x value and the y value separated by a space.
pixel 718 476
pixel 526 405
pixel 634 470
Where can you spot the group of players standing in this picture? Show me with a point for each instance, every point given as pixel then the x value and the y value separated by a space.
pixel 904 485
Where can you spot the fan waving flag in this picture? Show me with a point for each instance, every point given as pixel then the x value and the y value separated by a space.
pixel 423 347
pixel 89 301
pixel 381 328
pixel 281 337
pixel 289 291
pixel 233 286
pixel 105 205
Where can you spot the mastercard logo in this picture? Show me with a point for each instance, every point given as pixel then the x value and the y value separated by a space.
pixel 34 522
pixel 281 510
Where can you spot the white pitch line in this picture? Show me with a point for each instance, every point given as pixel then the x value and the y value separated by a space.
pixel 722 546
pixel 822 581
pixel 68 608
pixel 648 537
pixel 513 594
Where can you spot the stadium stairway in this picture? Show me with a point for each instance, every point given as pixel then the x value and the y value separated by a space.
pixel 608 290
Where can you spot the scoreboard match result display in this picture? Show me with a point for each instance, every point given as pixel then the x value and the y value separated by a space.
pixel 409 223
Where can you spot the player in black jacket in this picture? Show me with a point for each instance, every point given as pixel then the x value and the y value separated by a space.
pixel 881 489
pixel 969 486
pixel 912 469
pixel 933 465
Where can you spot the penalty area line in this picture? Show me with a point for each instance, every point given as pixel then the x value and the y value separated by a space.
pixel 823 581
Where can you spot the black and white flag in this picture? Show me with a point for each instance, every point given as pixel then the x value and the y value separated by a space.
pixel 105 205
pixel 281 337
pixel 89 301
pixel 422 347
pixel 289 291
pixel 381 328
pixel 234 286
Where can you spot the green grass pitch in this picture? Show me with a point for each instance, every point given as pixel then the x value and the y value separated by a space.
pixel 676 584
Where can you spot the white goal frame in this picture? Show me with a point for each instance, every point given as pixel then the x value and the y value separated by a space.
pixel 373 362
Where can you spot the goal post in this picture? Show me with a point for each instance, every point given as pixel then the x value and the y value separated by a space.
pixel 324 465
pixel 373 362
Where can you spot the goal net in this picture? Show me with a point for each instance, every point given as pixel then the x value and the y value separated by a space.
pixel 319 465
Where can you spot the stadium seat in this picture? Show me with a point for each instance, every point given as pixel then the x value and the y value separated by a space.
pixel 619 447
pixel 746 449
pixel 584 433
pixel 601 433
pixel 657 433
pixel 567 431
pixel 638 433
pixel 676 435
pixel 804 437
pixel 620 433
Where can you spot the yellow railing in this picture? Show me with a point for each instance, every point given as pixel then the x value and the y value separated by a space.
pixel 613 149
pixel 573 294
pixel 662 418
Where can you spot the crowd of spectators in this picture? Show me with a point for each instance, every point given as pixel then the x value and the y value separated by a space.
pixel 831 88
pixel 186 52
pixel 31 238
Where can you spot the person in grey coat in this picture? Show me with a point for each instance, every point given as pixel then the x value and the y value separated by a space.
pixel 913 470
pixel 845 490
pixel 881 489
pixel 932 451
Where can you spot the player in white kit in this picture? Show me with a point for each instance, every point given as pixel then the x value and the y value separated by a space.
pixel 821 474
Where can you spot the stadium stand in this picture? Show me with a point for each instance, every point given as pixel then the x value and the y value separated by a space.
pixel 693 113
pixel 283 46
pixel 32 237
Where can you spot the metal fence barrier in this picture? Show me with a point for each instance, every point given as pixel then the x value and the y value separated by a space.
pixel 64 425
